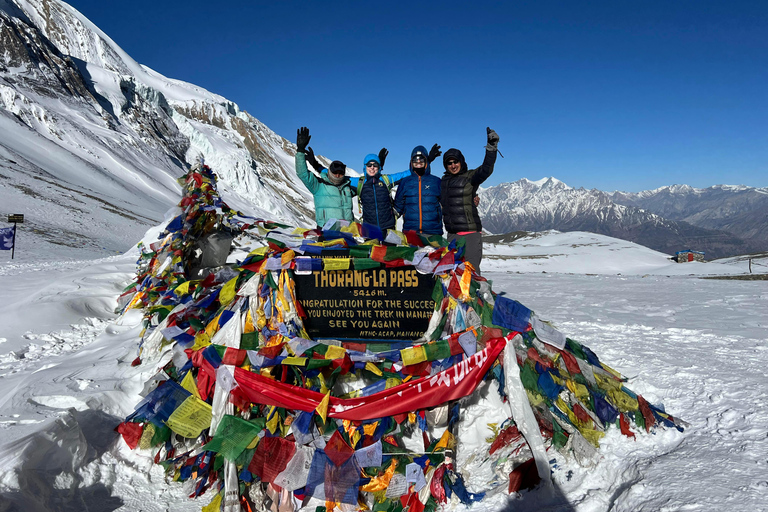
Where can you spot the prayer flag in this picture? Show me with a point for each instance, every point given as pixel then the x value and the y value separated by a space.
pixel 6 238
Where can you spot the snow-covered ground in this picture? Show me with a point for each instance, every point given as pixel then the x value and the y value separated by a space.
pixel 698 346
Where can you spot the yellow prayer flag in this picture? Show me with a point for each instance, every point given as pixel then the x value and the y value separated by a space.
pixel 373 368
pixel 261 251
pixel 146 436
pixel 380 483
pixel 335 352
pixel 322 407
pixel 201 340
pixel 593 436
pixel 249 327
pixel 580 390
pixel 190 418
pixel 370 428
pixel 274 420
pixel 354 228
pixel 330 243
pixel 228 291
pixel 135 301
pixel 623 401
pixel 336 263
pixel 212 326
pixel 188 383
pixel 446 441
pixel 611 370
pixel 466 278
pixel 392 382
pixel 214 505
pixel 182 289
pixel 413 355
pixel 287 256
pixel 295 361
pixel 411 417
pixel 253 443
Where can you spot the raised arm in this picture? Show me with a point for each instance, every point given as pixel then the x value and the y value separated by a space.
pixel 491 150
pixel 311 181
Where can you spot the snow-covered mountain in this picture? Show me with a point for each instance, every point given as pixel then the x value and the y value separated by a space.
pixel 527 205
pixel 91 141
pixel 740 210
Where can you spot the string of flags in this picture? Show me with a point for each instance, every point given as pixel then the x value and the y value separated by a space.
pixel 248 409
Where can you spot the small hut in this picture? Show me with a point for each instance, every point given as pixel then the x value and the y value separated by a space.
pixel 689 255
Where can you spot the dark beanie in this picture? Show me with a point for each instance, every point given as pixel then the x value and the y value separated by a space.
pixel 455 154
pixel 337 167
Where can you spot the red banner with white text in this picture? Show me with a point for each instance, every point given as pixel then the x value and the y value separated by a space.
pixel 456 382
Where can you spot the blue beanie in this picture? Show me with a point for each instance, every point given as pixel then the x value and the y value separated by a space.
pixel 370 157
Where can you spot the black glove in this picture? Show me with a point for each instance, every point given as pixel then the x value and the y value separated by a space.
pixel 302 139
pixel 311 160
pixel 434 153
pixel 382 156
pixel 493 140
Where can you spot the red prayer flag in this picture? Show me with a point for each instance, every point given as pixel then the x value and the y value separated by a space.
pixel 271 457
pixel 624 425
pixel 524 476
pixel 338 450
pixel 645 410
pixel 131 433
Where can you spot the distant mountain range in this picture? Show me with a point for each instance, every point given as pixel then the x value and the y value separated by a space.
pixel 721 221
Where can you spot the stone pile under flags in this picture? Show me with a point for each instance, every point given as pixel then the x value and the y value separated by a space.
pixel 249 410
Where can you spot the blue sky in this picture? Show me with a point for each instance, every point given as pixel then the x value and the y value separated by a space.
pixel 615 95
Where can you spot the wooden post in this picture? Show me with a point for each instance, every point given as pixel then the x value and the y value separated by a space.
pixel 13 243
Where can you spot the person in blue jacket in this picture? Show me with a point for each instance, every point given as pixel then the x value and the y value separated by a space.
pixel 418 195
pixel 374 191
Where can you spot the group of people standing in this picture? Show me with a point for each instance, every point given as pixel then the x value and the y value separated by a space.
pixel 426 202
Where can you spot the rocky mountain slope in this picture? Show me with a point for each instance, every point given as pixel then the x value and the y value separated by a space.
pixel 91 142
pixel 551 204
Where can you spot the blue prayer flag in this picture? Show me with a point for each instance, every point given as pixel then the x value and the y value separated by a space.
pixel 6 238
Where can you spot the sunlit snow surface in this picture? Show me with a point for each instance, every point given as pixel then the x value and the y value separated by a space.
pixel 697 346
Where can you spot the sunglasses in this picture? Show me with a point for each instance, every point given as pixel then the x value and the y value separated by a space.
pixel 418 158
pixel 372 164
pixel 452 162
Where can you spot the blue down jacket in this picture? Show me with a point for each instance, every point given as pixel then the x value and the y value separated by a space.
pixel 418 200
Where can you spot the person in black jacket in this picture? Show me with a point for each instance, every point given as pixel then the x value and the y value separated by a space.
pixel 457 192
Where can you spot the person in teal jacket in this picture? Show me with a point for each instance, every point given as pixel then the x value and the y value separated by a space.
pixel 332 190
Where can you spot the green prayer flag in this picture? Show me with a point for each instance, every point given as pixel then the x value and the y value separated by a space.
pixel 360 251
pixel 439 350
pixel 250 341
pixel 364 263
pixel 232 436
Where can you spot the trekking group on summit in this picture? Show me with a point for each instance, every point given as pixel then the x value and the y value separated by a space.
pixel 425 201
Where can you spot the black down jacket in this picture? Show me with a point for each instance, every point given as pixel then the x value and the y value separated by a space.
pixel 457 192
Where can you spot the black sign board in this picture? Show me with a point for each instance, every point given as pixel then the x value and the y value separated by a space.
pixel 16 218
pixel 392 304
